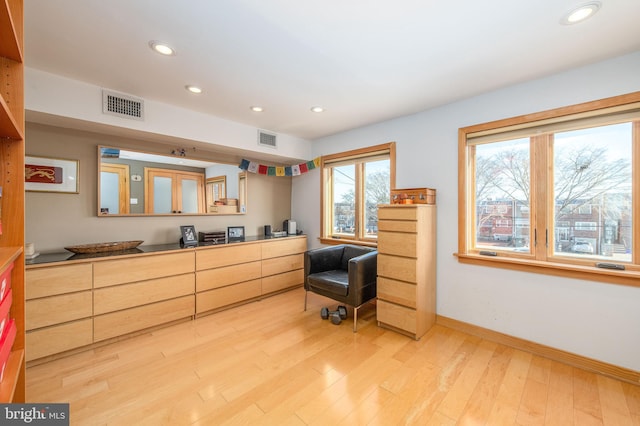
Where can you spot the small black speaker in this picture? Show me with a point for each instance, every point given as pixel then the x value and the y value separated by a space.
pixel 267 230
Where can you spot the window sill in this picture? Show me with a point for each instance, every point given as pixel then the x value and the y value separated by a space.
pixel 591 273
pixel 336 241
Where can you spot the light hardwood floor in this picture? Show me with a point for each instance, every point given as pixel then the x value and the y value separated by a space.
pixel 269 363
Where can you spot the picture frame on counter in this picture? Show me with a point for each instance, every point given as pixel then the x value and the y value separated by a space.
pixel 235 233
pixel 189 236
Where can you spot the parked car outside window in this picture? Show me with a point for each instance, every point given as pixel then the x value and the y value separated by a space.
pixel 582 247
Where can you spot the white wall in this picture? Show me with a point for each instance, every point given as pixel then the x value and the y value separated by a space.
pixel 596 320
pixel 48 96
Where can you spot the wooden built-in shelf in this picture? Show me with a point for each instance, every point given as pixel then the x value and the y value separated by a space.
pixel 9 48
pixel 8 126
pixel 11 375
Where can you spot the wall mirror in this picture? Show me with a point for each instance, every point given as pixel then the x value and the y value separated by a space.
pixel 138 183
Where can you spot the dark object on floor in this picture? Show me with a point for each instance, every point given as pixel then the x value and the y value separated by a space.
pixel 336 316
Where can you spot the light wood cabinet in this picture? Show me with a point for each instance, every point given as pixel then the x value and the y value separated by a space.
pixel 12 387
pixel 134 319
pixel 85 302
pixel 58 309
pixel 228 275
pixel 59 338
pixel 143 291
pixel 406 286
pixel 142 267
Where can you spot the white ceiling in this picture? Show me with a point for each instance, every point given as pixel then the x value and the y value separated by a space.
pixel 363 60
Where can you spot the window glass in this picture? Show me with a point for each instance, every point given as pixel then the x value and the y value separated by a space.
pixel 377 191
pixel 592 192
pixel 344 200
pixel 502 184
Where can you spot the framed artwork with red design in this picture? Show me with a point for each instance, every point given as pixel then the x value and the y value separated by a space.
pixel 44 174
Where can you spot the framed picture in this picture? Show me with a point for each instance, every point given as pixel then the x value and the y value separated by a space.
pixel 235 233
pixel 43 174
pixel 189 236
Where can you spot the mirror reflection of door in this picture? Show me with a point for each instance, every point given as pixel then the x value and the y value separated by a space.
pixel 171 191
pixel 114 188
pixel 216 189
pixel 242 191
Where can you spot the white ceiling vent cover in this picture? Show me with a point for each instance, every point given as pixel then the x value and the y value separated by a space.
pixel 122 105
pixel 267 139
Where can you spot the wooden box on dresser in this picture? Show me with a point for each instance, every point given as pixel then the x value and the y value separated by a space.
pixel 407 268
pixel 12 386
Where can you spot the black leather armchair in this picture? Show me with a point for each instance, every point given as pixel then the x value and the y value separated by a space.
pixel 345 273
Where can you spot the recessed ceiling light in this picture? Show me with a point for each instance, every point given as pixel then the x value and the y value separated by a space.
pixel 193 89
pixel 580 13
pixel 162 48
pixel 257 108
pixel 317 109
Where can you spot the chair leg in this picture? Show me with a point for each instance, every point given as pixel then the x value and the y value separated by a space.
pixel 305 300
pixel 355 319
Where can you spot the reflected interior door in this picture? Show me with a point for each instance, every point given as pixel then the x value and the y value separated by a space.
pixel 114 188
pixel 190 193
pixel 172 191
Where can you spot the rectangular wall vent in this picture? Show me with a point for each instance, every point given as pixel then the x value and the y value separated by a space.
pixel 122 105
pixel 267 139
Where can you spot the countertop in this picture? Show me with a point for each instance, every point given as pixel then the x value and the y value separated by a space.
pixel 63 256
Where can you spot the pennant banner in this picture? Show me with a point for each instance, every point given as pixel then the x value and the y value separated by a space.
pixel 293 170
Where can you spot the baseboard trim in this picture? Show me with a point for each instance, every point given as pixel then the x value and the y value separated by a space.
pixel 620 373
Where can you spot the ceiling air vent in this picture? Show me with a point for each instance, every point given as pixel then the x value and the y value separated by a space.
pixel 121 105
pixel 267 139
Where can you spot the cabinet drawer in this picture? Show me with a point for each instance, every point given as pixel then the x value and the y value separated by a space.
pixel 397 316
pixel 49 281
pixel 397 213
pixel 399 268
pixel 283 247
pixel 125 296
pixel 398 243
pixel 112 272
pixel 398 292
pixel 278 265
pixel 282 281
pixel 220 277
pixel 219 297
pixel 216 257
pixel 57 309
pixel 130 320
pixel 59 338
pixel 398 225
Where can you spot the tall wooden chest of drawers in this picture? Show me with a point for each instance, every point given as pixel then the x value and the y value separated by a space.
pixel 407 268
